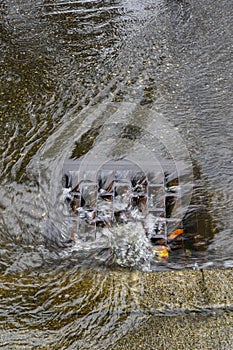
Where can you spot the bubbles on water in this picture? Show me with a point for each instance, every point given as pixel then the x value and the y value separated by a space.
pixel 125 245
pixel 131 247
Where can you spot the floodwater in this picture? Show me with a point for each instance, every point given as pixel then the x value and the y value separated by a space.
pixel 161 68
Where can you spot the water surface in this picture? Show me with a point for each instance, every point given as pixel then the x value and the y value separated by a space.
pixel 62 63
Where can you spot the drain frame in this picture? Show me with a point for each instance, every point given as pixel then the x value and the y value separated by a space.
pixel 94 204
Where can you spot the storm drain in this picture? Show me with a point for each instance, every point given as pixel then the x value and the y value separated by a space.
pixel 123 193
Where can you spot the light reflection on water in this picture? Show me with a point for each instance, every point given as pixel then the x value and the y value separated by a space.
pixel 60 58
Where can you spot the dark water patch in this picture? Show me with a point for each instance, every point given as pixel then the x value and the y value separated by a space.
pixel 86 142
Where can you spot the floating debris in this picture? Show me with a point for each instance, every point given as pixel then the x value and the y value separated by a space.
pixel 175 234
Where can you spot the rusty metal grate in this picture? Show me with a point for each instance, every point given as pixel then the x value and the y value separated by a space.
pixel 122 193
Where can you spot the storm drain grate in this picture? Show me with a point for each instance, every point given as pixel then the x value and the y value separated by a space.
pixel 123 193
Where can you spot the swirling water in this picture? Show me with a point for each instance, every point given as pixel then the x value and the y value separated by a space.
pixel 62 63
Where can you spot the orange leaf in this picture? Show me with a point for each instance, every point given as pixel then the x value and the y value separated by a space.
pixel 176 233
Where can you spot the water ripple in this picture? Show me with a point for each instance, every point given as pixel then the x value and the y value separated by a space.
pixel 61 62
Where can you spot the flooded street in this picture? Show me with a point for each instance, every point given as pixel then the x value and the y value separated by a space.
pixel 94 81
